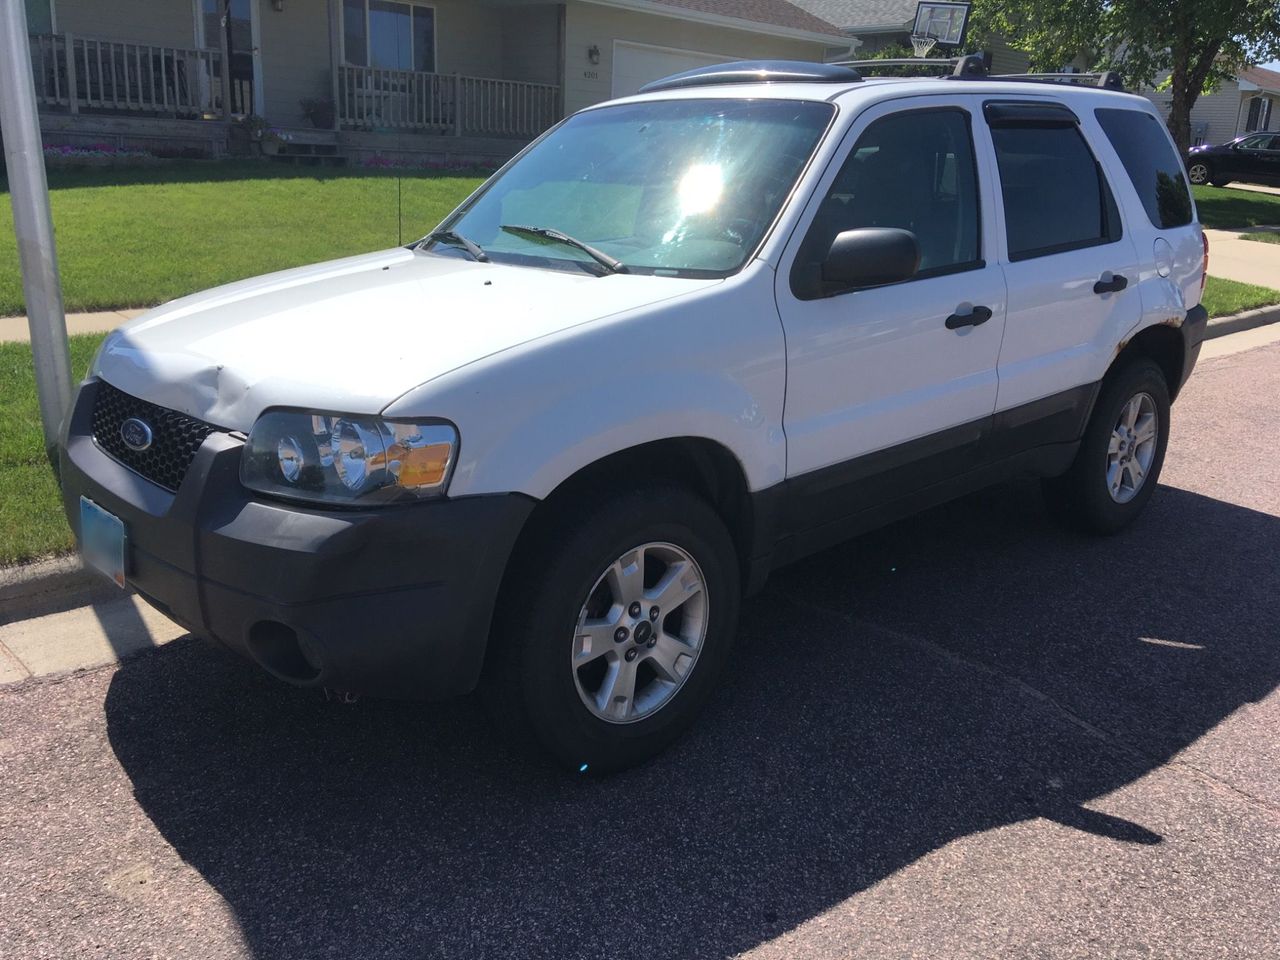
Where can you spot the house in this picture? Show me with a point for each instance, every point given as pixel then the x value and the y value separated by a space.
pixel 436 78
pixel 878 24
pixel 1249 101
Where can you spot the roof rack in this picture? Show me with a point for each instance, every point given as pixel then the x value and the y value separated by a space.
pixel 1106 79
pixel 973 66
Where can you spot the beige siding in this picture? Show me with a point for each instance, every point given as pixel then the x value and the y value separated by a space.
pixel 531 43
pixel 588 25
pixel 160 22
pixel 468 38
pixel 295 58
pixel 1005 59
pixel 1219 112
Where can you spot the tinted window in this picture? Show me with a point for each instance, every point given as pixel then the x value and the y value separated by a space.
pixel 1055 196
pixel 1152 165
pixel 913 170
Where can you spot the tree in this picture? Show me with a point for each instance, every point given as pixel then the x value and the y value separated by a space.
pixel 1198 43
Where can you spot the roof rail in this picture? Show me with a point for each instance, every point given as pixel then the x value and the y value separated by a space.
pixel 1106 79
pixel 756 71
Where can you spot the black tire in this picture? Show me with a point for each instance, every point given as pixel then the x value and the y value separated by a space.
pixel 1081 496
pixel 530 685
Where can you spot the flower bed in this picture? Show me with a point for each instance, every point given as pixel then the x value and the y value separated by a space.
pixel 68 157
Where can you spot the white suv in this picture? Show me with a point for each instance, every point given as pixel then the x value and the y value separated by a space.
pixel 680 340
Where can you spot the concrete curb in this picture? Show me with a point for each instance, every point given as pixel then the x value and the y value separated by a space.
pixel 61 583
pixel 1248 320
pixel 58 583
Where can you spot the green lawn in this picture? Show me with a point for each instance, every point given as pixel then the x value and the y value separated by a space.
pixel 131 238
pixel 1227 209
pixel 31 521
pixel 1223 297
pixel 1266 236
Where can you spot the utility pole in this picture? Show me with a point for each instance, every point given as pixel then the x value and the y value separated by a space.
pixel 33 221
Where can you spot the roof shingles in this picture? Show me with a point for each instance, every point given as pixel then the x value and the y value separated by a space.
pixel 778 13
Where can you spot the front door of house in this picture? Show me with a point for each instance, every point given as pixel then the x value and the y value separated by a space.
pixel 238 18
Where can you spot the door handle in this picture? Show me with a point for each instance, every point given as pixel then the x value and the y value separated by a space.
pixel 975 317
pixel 1115 284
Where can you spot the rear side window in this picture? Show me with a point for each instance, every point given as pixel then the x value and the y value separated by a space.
pixel 1152 165
pixel 1055 195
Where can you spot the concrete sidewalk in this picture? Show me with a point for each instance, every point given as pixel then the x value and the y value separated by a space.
pixel 16 330
pixel 1248 261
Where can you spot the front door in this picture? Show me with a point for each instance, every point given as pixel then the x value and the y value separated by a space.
pixel 882 396
pixel 238 20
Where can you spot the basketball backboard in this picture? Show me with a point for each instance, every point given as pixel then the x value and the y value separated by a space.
pixel 945 21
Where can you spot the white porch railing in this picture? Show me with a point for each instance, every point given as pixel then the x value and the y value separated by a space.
pixel 371 98
pixel 115 75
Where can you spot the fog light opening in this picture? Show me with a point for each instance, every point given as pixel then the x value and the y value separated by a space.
pixel 281 652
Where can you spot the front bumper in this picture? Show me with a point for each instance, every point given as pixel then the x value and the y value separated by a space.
pixel 393 601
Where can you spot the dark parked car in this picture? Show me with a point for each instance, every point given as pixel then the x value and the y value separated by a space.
pixel 1253 158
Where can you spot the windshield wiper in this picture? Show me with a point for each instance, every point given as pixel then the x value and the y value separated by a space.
pixel 547 233
pixel 455 239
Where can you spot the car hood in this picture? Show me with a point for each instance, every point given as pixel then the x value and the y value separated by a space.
pixel 352 335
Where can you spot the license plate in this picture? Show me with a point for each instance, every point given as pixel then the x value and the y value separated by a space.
pixel 102 540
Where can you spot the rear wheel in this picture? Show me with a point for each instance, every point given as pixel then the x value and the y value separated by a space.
pixel 1116 469
pixel 615 626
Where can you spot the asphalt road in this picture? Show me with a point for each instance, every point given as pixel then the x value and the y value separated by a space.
pixel 968 735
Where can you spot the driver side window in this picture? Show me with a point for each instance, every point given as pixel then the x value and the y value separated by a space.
pixel 915 170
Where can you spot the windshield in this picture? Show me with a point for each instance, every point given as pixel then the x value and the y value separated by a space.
pixel 672 187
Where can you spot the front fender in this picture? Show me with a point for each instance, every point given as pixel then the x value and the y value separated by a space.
pixel 709 365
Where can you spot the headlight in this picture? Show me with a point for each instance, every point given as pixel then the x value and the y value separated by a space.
pixel 336 458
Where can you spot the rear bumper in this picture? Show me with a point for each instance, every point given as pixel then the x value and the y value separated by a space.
pixel 1193 330
pixel 392 601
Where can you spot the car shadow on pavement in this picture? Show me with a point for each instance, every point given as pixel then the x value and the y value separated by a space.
pixel 970 668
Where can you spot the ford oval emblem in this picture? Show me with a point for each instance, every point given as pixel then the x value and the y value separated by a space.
pixel 136 434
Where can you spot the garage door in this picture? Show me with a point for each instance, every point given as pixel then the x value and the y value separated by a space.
pixel 635 64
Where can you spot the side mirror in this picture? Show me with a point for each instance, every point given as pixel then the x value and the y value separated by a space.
pixel 870 257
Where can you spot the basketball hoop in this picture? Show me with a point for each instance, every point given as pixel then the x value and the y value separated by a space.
pixel 940 22
pixel 922 44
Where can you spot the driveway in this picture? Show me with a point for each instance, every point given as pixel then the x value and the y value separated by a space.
pixel 969 735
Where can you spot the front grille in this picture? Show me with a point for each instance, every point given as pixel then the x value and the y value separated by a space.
pixel 175 437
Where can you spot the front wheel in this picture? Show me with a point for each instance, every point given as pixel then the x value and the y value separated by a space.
pixel 614 627
pixel 1199 173
pixel 1118 464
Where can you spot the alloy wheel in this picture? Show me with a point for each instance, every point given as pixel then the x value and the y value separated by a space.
pixel 1199 173
pixel 1132 447
pixel 639 633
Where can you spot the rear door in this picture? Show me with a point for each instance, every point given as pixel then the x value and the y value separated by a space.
pixel 1151 179
pixel 1070 267
pixel 882 396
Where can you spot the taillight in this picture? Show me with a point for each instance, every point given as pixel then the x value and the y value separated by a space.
pixel 1204 270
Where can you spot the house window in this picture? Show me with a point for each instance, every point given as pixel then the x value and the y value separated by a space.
pixel 40 16
pixel 389 34
pixel 1259 114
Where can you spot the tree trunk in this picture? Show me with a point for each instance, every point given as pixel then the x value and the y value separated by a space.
pixel 1180 107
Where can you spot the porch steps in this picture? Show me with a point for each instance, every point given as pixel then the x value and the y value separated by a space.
pixel 310 147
